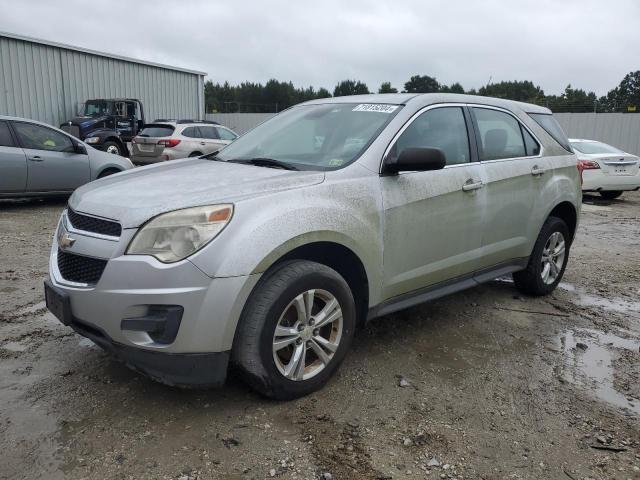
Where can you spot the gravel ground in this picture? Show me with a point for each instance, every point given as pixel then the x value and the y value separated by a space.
pixel 482 384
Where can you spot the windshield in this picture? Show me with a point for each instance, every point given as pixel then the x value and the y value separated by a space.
pixel 94 107
pixel 314 137
pixel 594 148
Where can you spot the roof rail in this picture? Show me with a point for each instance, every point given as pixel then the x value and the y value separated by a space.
pixel 186 120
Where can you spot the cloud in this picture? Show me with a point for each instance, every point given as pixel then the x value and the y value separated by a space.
pixel 586 43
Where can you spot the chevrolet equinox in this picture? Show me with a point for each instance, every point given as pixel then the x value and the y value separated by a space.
pixel 269 254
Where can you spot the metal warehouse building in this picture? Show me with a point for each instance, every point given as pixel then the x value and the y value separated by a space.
pixel 48 81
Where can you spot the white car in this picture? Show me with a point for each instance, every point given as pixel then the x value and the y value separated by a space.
pixel 174 139
pixel 606 169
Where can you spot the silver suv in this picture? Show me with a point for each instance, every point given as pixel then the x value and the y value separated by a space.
pixel 272 253
pixel 173 139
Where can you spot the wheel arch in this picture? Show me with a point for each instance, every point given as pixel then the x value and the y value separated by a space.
pixel 568 213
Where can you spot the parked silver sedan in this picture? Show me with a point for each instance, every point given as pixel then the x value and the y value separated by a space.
pixel 37 159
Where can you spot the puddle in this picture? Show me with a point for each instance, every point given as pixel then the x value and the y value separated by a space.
pixel 615 304
pixel 15 347
pixel 592 367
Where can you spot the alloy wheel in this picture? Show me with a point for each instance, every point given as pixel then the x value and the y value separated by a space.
pixel 307 334
pixel 553 256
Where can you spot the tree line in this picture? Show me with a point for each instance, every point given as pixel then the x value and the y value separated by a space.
pixel 275 96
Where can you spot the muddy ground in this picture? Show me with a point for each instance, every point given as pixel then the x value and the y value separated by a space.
pixel 495 385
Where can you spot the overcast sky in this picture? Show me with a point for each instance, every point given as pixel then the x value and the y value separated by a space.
pixel 591 44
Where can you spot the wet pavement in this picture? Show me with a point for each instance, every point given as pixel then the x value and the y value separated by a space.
pixel 485 384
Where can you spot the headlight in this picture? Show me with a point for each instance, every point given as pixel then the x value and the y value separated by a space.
pixel 173 236
pixel 92 140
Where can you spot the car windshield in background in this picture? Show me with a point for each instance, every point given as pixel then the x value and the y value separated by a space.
pixel 96 108
pixel 323 137
pixel 156 131
pixel 591 148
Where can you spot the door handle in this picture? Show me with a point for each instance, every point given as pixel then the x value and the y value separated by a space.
pixel 36 158
pixel 537 171
pixel 203 143
pixel 471 185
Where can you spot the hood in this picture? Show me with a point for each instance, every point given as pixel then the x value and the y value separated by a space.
pixel 135 196
pixel 85 121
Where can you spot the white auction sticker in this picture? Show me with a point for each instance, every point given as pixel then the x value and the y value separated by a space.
pixel 375 107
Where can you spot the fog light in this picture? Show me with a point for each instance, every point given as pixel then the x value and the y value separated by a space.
pixel 161 323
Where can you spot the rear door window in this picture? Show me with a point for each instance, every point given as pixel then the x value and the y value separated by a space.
pixel 500 135
pixel 531 144
pixel 443 128
pixel 208 132
pixel 191 132
pixel 553 128
pixel 157 131
pixel 5 135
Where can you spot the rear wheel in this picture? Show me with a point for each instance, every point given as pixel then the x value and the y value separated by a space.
pixel 547 261
pixel 610 194
pixel 112 147
pixel 295 330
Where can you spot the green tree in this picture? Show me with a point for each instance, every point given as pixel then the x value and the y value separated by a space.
pixel 323 93
pixel 350 87
pixel 572 100
pixel 453 88
pixel 387 88
pixel 626 95
pixel 422 84
pixel 522 91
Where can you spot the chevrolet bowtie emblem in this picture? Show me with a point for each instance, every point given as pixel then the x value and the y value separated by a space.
pixel 65 241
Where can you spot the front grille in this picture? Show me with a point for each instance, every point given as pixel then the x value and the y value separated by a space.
pixel 93 224
pixel 80 269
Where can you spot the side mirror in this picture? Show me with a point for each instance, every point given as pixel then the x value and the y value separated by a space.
pixel 80 148
pixel 417 160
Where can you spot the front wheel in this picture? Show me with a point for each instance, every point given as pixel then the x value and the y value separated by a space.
pixel 610 194
pixel 112 147
pixel 295 330
pixel 547 261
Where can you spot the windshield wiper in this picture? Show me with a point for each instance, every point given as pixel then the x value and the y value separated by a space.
pixel 265 162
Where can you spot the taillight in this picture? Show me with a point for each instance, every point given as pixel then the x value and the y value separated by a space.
pixel 586 165
pixel 169 143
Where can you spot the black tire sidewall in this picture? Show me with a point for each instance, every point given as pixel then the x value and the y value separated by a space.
pixel 325 279
pixel 552 225
pixel 611 194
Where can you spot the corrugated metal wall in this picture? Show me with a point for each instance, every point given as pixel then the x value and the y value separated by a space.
pixel 48 83
pixel 621 130
pixel 239 122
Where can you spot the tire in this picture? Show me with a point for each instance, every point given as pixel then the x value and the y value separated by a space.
pixel 107 172
pixel 610 194
pixel 112 147
pixel 272 303
pixel 195 154
pixel 532 280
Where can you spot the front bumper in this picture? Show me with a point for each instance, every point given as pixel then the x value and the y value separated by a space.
pixel 131 286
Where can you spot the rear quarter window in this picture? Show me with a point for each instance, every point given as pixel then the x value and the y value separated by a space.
pixel 157 131
pixel 553 128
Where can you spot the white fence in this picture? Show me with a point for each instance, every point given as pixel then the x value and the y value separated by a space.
pixel 619 129
pixel 239 122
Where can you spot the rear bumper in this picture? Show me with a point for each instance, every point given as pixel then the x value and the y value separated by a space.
pixel 145 160
pixel 194 370
pixel 596 181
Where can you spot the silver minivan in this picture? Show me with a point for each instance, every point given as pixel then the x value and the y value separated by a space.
pixel 272 253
